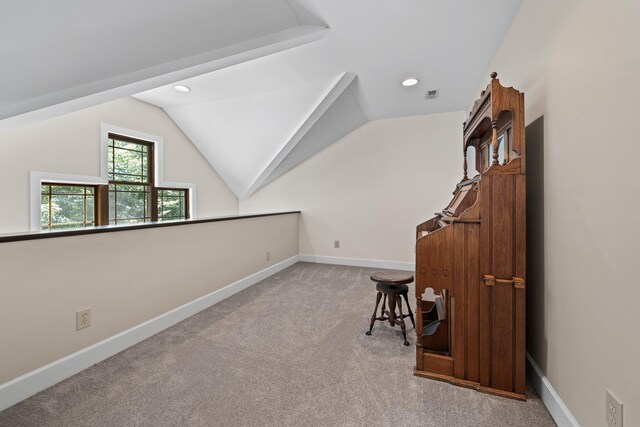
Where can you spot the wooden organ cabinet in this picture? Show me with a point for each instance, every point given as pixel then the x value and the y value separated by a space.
pixel 470 259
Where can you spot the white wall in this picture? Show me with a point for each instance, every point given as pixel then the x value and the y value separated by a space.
pixel 125 277
pixel 578 63
pixel 371 188
pixel 70 144
pixel 158 269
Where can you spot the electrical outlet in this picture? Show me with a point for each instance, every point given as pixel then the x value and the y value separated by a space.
pixel 614 411
pixel 83 319
pixel 268 256
pixel 336 244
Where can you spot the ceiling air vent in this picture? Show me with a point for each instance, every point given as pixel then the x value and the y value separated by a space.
pixel 432 94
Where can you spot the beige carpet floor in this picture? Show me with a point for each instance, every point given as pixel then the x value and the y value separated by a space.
pixel 289 351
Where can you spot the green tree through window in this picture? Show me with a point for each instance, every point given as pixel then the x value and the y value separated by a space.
pixel 66 206
pixel 172 204
pixel 130 196
pixel 130 180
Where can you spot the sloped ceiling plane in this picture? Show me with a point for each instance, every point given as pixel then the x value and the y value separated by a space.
pixel 272 82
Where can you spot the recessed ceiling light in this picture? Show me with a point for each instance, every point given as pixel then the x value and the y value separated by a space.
pixel 410 82
pixel 181 88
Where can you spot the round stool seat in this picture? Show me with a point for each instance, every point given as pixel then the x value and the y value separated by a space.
pixel 392 277
pixel 388 288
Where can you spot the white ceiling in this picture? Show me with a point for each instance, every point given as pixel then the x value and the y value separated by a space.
pixel 445 44
pixel 76 53
pixel 271 85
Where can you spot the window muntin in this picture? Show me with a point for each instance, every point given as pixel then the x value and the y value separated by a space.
pixel 129 197
pixel 64 206
pixel 129 204
pixel 128 161
pixel 130 180
pixel 172 204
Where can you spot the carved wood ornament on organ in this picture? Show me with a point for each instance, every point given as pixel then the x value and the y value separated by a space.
pixel 470 259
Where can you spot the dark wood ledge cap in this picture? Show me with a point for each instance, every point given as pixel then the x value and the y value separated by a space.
pixel 34 235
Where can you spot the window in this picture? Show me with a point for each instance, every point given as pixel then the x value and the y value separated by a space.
pixel 65 206
pixel 130 180
pixel 172 204
pixel 129 197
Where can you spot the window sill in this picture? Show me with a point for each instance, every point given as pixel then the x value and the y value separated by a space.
pixel 34 235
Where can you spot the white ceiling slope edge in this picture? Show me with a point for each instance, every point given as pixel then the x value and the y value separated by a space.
pixel 326 101
pixel 87 53
pixel 343 117
pixel 256 120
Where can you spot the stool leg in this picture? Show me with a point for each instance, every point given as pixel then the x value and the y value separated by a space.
pixel 392 309
pixel 384 305
pixel 373 318
pixel 409 308
pixel 401 317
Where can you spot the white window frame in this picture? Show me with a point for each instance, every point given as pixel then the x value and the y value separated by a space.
pixel 37 177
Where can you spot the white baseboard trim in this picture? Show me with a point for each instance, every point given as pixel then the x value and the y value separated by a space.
pixel 37 380
pixel 556 407
pixel 357 262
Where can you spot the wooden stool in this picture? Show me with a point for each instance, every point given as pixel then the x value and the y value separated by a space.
pixel 391 284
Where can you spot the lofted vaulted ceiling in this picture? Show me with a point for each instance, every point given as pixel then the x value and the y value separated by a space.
pixel 273 81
